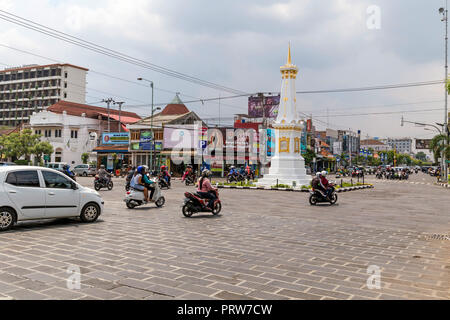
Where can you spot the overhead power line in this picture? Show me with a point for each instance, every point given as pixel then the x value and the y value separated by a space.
pixel 7 16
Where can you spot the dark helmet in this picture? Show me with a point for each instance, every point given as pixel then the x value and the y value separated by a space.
pixel 65 167
pixel 140 169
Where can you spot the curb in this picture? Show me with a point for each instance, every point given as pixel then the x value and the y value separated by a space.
pixel 347 189
pixel 444 185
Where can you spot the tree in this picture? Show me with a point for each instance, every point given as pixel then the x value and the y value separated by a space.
pixel 40 149
pixel 309 156
pixel 18 144
pixel 440 144
pixel 421 156
pixel 85 157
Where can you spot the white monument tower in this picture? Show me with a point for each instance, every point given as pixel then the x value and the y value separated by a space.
pixel 287 165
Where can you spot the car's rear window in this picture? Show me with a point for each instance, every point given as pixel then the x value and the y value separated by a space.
pixel 23 179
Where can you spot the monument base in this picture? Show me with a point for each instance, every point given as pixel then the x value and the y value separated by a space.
pixel 286 170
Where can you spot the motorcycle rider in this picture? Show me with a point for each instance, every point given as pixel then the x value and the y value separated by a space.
pixel 67 172
pixel 325 184
pixel 187 173
pixel 103 175
pixel 165 174
pixel 137 182
pixel 148 183
pixel 205 189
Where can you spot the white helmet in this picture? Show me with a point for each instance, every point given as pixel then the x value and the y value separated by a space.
pixel 324 173
pixel 318 174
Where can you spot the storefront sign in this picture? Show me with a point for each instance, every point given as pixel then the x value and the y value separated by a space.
pixel 116 138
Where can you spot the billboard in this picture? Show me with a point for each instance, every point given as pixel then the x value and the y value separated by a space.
pixel 423 144
pixel 181 138
pixel 255 106
pixel 116 138
pixel 270 142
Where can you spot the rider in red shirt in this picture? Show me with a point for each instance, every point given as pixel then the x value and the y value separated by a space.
pixel 324 183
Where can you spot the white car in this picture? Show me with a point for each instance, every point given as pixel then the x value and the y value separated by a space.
pixel 35 193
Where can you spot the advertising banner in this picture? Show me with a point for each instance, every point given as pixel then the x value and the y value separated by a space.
pixel 179 138
pixel 423 144
pixel 270 142
pixel 116 138
pixel 255 106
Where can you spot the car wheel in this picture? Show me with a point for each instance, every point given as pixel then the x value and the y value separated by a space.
pixel 90 212
pixel 7 217
pixel 85 174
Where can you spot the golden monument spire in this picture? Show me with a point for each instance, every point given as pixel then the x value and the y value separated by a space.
pixel 289 55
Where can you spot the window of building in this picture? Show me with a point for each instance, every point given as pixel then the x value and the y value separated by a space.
pixel 65 75
pixel 23 179
pixel 74 134
pixel 46 73
pixel 58 133
pixel 135 135
pixel 65 84
pixel 48 133
pixel 65 95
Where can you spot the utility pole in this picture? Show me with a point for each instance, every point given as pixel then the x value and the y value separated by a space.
pixel 108 102
pixel 120 112
pixel 444 166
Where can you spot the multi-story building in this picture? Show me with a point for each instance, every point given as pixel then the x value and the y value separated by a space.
pixel 401 145
pixel 375 145
pixel 73 129
pixel 32 88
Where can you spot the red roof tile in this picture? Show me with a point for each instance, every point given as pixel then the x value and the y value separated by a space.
pixel 76 109
pixel 174 109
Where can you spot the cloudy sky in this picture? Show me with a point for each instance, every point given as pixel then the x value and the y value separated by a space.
pixel 242 44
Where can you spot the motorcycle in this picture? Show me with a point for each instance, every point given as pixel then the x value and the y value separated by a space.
pixel 190 180
pixel 194 203
pixel 98 184
pixel 135 198
pixel 163 183
pixel 317 196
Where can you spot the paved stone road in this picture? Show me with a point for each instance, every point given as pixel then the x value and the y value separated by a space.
pixel 265 245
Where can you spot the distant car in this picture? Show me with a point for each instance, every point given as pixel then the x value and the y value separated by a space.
pixel 85 170
pixel 35 193
pixel 57 165
pixel 7 164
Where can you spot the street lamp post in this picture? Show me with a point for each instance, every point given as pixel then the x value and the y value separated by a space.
pixel 444 13
pixel 151 126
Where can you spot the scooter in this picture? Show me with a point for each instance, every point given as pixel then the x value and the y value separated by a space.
pixel 135 198
pixel 317 196
pixel 194 203
pixel 102 184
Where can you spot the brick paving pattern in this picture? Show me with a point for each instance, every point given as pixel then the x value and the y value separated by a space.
pixel 265 245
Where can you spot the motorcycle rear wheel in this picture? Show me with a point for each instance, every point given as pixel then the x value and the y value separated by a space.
pixel 313 200
pixel 130 205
